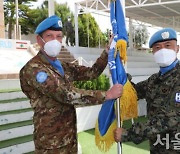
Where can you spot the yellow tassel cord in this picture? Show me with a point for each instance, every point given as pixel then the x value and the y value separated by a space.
pixel 121 46
pixel 105 142
pixel 128 102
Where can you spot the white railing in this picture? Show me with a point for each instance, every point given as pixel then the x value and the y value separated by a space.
pixel 82 61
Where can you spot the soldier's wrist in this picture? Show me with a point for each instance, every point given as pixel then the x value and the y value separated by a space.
pixel 124 135
pixel 108 96
pixel 107 48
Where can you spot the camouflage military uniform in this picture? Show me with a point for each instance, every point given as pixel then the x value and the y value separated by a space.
pixel 69 31
pixel 163 112
pixel 54 101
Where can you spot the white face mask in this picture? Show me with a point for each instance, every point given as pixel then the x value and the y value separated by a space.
pixel 165 57
pixel 52 48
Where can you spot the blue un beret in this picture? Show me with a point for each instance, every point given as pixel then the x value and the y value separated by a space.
pixel 52 22
pixel 163 35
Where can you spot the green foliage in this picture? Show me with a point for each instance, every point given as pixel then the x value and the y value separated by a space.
pixel 23 13
pixel 107 34
pixel 30 18
pixel 101 83
pixel 37 15
pixel 141 35
pixel 41 13
pixel 88 26
pixel 63 11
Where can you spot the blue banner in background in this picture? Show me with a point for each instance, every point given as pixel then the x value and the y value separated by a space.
pixel 7 44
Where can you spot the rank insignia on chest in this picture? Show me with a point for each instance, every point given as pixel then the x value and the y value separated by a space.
pixel 177 99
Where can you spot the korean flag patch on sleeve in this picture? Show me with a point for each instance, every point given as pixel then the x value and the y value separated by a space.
pixel 41 77
pixel 177 97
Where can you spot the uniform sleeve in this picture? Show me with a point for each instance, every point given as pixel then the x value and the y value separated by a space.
pixel 54 86
pixel 166 120
pixel 141 89
pixel 160 123
pixel 82 73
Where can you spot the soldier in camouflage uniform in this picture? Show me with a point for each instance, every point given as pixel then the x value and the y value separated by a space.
pixel 48 84
pixel 69 31
pixel 162 93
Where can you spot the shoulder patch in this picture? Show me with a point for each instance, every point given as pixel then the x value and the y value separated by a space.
pixel 41 77
pixel 177 98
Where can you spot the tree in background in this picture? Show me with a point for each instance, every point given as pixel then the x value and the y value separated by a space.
pixel 141 36
pixel 107 35
pixel 63 11
pixel 88 26
pixel 30 18
pixel 38 15
pixel 23 12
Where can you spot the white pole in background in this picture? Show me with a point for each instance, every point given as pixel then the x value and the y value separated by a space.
pixel 2 25
pixel 51 9
pixel 17 22
pixel 76 25
pixel 130 36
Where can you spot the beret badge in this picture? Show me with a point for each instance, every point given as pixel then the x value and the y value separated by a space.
pixel 165 35
pixel 60 23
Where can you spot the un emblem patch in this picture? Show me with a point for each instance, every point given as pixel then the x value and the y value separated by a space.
pixel 165 35
pixel 60 23
pixel 41 77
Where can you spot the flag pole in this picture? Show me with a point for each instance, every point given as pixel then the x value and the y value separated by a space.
pixel 119 145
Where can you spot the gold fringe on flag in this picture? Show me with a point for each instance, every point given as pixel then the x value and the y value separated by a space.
pixel 105 142
pixel 128 102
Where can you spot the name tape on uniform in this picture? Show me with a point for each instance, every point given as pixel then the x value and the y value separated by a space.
pixel 177 97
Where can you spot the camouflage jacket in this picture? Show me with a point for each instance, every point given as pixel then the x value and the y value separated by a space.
pixel 68 27
pixel 162 94
pixel 54 100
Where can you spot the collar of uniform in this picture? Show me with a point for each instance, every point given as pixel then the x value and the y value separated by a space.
pixel 57 65
pixel 43 57
pixel 175 70
pixel 164 70
pixel 45 60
